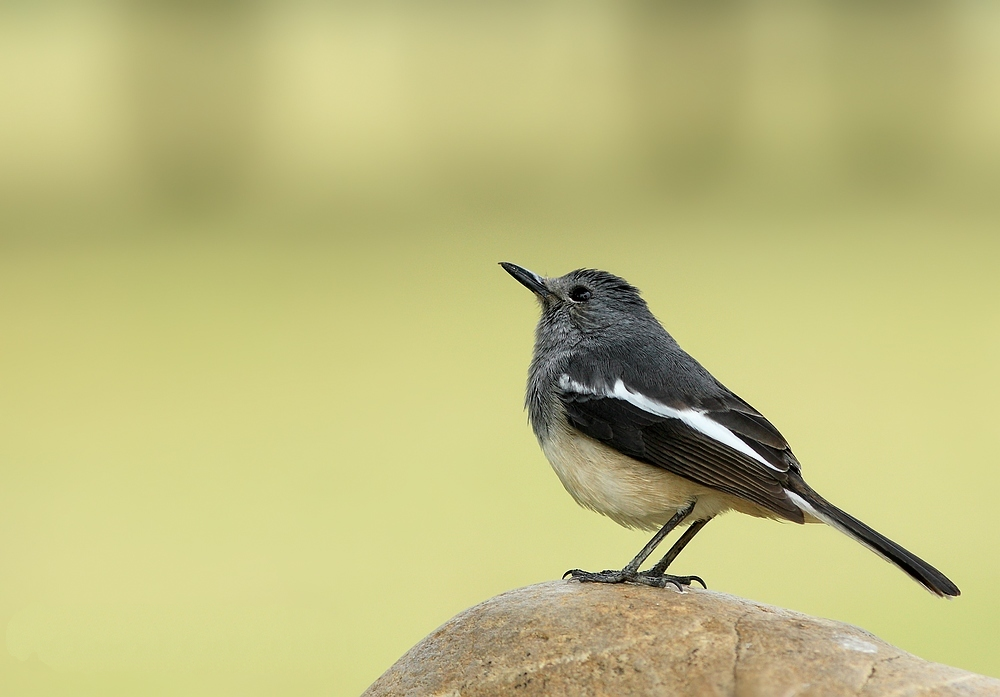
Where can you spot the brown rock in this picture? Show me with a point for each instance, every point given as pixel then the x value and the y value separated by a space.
pixel 567 638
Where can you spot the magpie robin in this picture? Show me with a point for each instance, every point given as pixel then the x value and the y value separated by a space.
pixel 638 430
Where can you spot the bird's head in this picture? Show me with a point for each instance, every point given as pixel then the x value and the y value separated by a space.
pixel 585 302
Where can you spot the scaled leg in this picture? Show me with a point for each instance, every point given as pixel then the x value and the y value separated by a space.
pixel 631 572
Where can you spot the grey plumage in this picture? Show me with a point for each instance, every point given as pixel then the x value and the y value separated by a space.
pixel 637 429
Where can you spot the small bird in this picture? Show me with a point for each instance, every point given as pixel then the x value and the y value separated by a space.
pixel 637 430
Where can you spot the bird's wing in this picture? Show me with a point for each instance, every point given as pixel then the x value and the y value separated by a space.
pixel 750 426
pixel 721 446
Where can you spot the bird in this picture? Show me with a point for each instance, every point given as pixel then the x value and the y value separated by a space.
pixel 637 430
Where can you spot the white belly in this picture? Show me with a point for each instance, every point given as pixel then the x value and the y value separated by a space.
pixel 628 491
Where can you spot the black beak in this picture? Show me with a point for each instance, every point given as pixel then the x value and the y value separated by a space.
pixel 530 280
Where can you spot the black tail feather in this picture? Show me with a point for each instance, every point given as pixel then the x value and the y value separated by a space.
pixel 919 570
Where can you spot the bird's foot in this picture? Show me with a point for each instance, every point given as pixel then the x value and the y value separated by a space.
pixel 661 580
pixel 644 578
pixel 606 576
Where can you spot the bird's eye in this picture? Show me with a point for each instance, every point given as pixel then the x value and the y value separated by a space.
pixel 579 294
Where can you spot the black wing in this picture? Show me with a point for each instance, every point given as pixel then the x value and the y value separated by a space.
pixel 678 448
pixel 751 427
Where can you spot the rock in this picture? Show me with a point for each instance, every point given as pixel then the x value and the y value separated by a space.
pixel 567 638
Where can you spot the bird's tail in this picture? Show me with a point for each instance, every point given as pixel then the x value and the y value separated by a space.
pixel 919 570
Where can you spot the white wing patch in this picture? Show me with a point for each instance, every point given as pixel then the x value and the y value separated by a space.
pixel 691 417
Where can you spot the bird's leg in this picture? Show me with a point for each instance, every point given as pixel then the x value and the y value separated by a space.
pixel 631 572
pixel 656 577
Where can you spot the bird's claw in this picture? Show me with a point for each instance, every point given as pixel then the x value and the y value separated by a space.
pixel 606 576
pixel 661 580
pixel 644 578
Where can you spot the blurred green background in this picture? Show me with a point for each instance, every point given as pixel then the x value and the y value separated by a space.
pixel 261 379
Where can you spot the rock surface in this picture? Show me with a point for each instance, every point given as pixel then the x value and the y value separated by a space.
pixel 567 638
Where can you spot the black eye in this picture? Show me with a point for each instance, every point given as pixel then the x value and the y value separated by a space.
pixel 579 294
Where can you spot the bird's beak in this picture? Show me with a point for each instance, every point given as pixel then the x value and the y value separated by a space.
pixel 530 280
